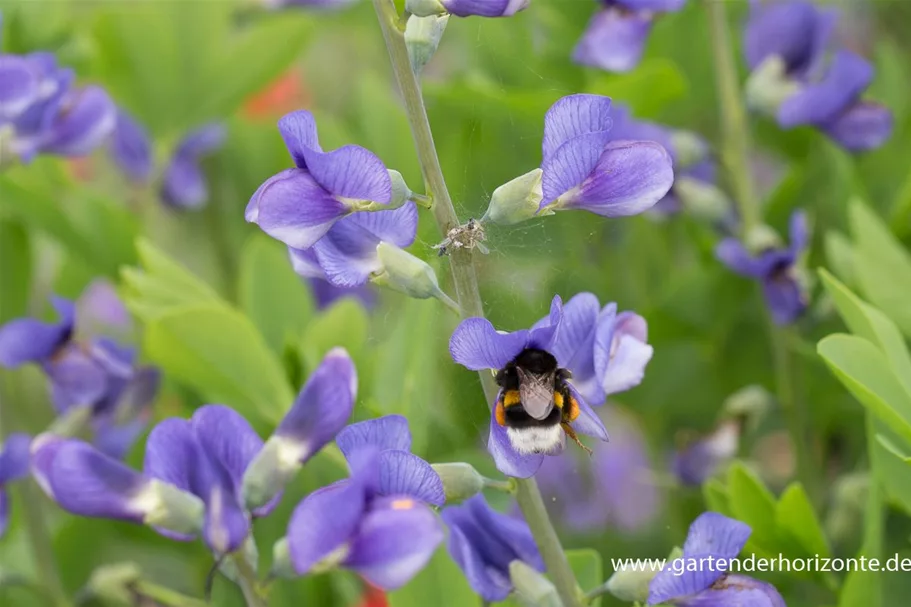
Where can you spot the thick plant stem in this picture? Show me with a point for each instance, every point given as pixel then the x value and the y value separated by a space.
pixel 735 145
pixel 466 285
pixel 36 530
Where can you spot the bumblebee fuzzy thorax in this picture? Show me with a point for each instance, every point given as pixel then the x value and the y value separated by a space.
pixel 536 403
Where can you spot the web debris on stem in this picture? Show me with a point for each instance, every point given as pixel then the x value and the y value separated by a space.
pixel 468 236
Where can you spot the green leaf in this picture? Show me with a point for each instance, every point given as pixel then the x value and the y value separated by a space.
pixel 343 324
pixel 716 496
pixel 272 294
pixel 795 516
pixel 890 470
pixel 883 267
pixel 16 274
pixel 866 372
pixel 588 569
pixel 441 583
pixel 752 503
pixel 840 255
pixel 649 88
pixel 220 353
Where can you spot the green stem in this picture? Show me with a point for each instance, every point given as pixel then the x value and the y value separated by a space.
pixel 36 529
pixel 466 284
pixel 735 132
pixel 248 581
pixel 785 381
pixel 166 596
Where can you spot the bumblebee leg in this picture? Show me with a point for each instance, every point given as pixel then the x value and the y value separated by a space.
pixel 575 438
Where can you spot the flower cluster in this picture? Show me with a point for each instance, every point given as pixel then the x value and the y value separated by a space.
pixel 775 266
pixel 603 353
pixel 586 166
pixel 208 475
pixel 42 111
pixel 616 35
pixel 689 580
pixel 94 381
pixel 798 78
pixel 465 8
pixel 14 459
pixel 183 184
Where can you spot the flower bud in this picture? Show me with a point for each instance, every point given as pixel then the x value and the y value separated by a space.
pixel 247 551
pixel 406 273
pixel 690 148
pixel 460 480
pixel 750 402
pixel 630 585
pixel 275 464
pixel 281 560
pixel 769 85
pixel 422 37
pixel 702 199
pixel 532 588
pixel 173 509
pixel 114 583
pixel 762 238
pixel 425 8
pixel 401 193
pixel 516 200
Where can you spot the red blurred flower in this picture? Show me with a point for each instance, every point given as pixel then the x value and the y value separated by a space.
pixel 281 96
pixel 373 597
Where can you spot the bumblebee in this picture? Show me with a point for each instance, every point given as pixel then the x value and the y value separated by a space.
pixel 536 404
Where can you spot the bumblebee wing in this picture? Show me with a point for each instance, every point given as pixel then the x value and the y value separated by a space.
pixel 536 392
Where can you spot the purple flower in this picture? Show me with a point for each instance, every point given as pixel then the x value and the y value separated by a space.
pixel 19 86
pixel 96 373
pixel 484 542
pixel 689 154
pixel 616 34
pixel 377 522
pixel 209 474
pixel 314 4
pixel 14 463
pixel 537 405
pixel 130 148
pixel 702 458
pixel 702 581
pixel 325 293
pixel 584 167
pixel 183 183
pixel 299 206
pixel 775 267
pixel 612 488
pixel 818 90
pixel 606 352
pixel 346 255
pixel 466 8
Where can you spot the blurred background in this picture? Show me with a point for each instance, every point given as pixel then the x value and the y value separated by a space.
pixel 176 65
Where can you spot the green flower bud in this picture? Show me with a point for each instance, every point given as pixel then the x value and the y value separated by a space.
pixel 250 555
pixel 702 199
pixel 761 238
pixel 422 37
pixel 750 402
pixel 425 8
pixel 272 468
pixel 689 147
pixel 401 193
pixel 516 200
pixel 114 583
pixel 404 272
pixel 532 588
pixel 281 560
pixel 173 509
pixel 769 85
pixel 460 480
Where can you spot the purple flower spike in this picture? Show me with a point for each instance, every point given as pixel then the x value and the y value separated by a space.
pixel 485 8
pixel 27 340
pixel 14 465
pixel 85 118
pixel 183 184
pixel 704 584
pixel 584 168
pixel 700 460
pixel 298 206
pixel 798 32
pixel 616 35
pixel 484 542
pixel 775 268
pixel 376 523
pixel 130 148
pixel 538 404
